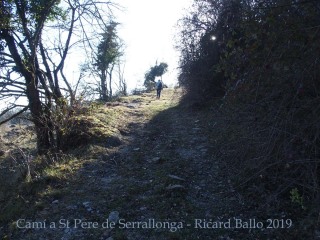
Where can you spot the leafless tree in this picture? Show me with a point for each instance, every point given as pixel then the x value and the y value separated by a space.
pixel 36 40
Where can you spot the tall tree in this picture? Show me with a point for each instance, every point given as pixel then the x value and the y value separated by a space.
pixel 33 58
pixel 153 72
pixel 108 51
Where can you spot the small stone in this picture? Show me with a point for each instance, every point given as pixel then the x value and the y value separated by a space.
pixel 143 208
pixel 43 213
pixel 72 207
pixel 155 160
pixel 176 177
pixel 86 204
pixel 200 147
pixel 175 187
pixel 114 216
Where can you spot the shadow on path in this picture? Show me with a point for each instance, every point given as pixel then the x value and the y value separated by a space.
pixel 161 182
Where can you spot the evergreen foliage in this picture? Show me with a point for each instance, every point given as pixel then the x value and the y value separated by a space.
pixel 153 72
pixel 108 51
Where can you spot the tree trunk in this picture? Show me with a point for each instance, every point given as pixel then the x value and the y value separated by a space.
pixel 110 81
pixel 39 117
pixel 104 89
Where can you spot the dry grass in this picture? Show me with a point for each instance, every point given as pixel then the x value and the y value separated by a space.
pixel 29 183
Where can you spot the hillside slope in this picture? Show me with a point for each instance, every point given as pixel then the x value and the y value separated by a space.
pixel 157 174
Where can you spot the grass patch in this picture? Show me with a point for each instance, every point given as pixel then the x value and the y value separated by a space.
pixel 24 197
pixel 61 171
pixel 91 135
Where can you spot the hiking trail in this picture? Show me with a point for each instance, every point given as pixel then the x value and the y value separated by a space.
pixel 160 169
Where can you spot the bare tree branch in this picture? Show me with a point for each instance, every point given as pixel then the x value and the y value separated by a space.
pixel 14 115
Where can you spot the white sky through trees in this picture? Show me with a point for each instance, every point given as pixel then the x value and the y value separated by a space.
pixel 148 29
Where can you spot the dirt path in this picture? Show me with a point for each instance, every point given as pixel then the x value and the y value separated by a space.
pixel 161 181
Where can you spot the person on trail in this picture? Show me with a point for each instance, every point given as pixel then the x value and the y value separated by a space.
pixel 159 88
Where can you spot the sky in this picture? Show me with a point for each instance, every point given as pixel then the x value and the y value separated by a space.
pixel 147 29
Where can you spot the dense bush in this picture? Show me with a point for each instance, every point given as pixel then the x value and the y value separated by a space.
pixel 266 57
